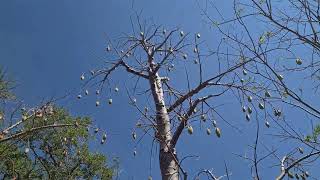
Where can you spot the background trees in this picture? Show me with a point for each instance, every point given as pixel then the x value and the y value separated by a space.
pixel 47 142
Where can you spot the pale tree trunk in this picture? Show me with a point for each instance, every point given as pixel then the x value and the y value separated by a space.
pixel 167 156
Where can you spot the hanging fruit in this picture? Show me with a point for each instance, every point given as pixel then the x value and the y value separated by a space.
pixel 97 92
pixel 97 103
pixel 298 61
pixel 249 110
pixel 86 92
pixel 104 137
pixel 249 98
pixel 164 31
pixel 181 33
pixel 300 150
pixel 116 89
pixel 96 130
pixel 82 77
pixel 198 35
pixel 277 112
pixel 248 117
pixel 185 56
pixel 141 34
pixel 134 153
pixel 267 124
pixel 244 72
pixel 79 96
pixel 26 150
pixel 280 77
pixel 214 123
pixel 195 50
pixel 134 135
pixel 110 101
pixel 190 130
pixel 244 108
pixel 267 94
pixel 102 141
pixel 108 48
pixel 208 131
pixel 290 175
pixel 218 132
pixel 261 106
pixel 203 117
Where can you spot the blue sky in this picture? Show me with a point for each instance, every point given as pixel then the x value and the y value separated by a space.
pixel 46 46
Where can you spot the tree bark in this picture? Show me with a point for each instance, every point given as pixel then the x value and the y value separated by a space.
pixel 167 156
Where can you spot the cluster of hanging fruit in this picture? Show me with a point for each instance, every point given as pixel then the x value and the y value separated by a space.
pixel 303 175
pixel 208 130
pixel 86 92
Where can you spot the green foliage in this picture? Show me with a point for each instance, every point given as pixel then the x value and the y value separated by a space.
pixel 53 153
pixel 315 134
pixel 5 87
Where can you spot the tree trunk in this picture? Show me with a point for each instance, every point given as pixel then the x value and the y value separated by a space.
pixel 167 156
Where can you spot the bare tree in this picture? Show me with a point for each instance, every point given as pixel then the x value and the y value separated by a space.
pixel 156 57
pixel 282 37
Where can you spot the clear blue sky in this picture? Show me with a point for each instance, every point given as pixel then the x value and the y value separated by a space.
pixel 46 45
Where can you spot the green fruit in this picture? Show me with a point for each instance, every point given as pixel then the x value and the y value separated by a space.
pixel 300 150
pixel 244 109
pixel 277 112
pixel 280 77
pixel 248 117
pixel 267 94
pixel 249 98
pixel 298 61
pixel 214 123
pixel 190 130
pixel 134 135
pixel 267 124
pixel 244 72
pixel 96 130
pixel 249 110
pixel 203 117
pixel 102 141
pixel 261 106
pixel 290 175
pixel 104 137
pixel 181 33
pixel 108 48
pixel 110 101
pixel 195 50
pixel 185 56
pixel 208 131
pixel 218 132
